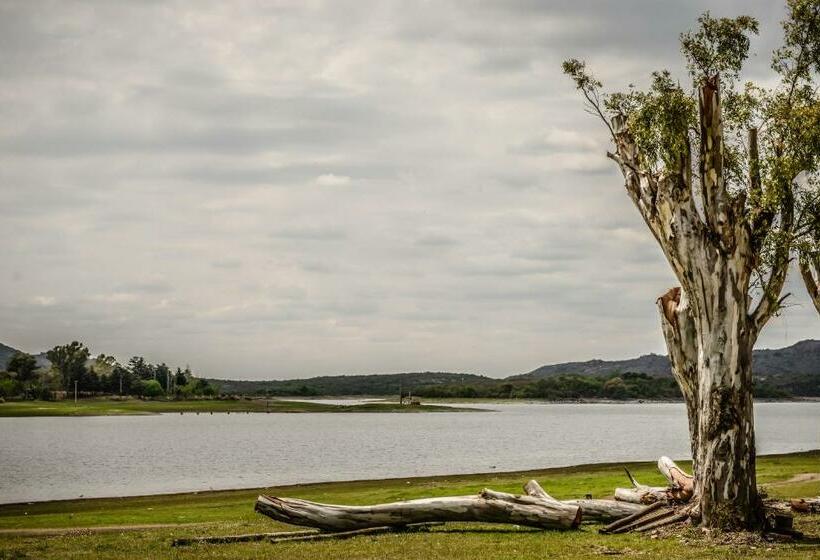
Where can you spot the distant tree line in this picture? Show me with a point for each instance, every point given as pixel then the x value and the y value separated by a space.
pixel 614 386
pixel 621 386
pixel 72 365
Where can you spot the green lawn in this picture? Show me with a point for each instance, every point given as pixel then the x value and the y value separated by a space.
pixel 111 407
pixel 231 512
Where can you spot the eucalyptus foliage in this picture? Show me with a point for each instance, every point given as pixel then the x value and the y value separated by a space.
pixel 777 178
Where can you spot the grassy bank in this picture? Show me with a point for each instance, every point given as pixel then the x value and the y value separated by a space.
pixel 230 512
pixel 111 407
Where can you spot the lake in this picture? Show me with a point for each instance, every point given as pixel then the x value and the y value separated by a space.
pixel 65 457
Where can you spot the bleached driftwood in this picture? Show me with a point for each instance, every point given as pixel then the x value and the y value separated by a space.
pixel 536 508
pixel 591 509
pixel 680 489
pixel 488 506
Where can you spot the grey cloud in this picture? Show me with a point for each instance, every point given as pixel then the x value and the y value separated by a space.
pixel 227 263
pixel 146 287
pixel 309 233
pixel 436 240
pixel 331 186
pixel 81 141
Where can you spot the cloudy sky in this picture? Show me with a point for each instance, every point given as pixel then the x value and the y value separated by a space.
pixel 281 189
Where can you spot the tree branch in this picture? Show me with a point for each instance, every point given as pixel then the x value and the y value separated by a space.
pixel 810 270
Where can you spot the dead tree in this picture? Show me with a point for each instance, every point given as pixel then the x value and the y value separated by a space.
pixel 536 508
pixel 488 506
pixel 718 192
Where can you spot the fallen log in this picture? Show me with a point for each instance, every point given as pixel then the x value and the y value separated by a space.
pixel 250 537
pixel 284 536
pixel 348 534
pixel 591 509
pixel 488 506
pixel 670 520
pixel 681 486
pixel 645 510
pixel 654 518
pixel 604 510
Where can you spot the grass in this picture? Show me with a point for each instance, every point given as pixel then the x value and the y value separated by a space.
pixel 113 407
pixel 231 512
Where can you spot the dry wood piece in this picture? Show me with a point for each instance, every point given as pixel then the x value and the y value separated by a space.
pixel 591 510
pixel 615 525
pixel 805 505
pixel 489 507
pixel 667 520
pixel 680 489
pixel 294 536
pixel 604 510
pixel 641 493
pixel 309 534
pixel 681 484
pixel 652 517
pixel 225 539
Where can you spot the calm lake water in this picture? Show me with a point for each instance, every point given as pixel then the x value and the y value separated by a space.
pixel 57 458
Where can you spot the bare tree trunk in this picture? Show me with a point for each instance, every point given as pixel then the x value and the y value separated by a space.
pixel 680 333
pixel 726 480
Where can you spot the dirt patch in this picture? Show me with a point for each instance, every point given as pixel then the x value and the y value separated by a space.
pixel 799 478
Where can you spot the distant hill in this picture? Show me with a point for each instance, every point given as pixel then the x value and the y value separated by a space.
pixel 650 364
pixel 377 384
pixel 795 370
pixel 6 352
pixel 800 358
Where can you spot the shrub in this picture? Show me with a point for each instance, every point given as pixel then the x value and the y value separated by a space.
pixel 9 388
pixel 152 388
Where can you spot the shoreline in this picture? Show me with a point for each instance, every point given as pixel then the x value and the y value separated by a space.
pixel 137 407
pixel 364 404
pixel 440 478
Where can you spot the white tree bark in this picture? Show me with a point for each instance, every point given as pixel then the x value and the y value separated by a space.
pixel 591 509
pixel 810 270
pixel 488 506
pixel 708 323
pixel 680 488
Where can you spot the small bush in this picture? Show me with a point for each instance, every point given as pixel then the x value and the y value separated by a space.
pixel 152 388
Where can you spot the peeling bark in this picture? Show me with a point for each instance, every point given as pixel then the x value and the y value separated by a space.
pixel 810 270
pixel 678 326
pixel 707 322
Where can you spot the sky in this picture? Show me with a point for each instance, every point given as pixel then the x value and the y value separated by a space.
pixel 287 189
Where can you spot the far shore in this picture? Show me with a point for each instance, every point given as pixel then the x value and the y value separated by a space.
pixel 132 407
pixel 113 406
